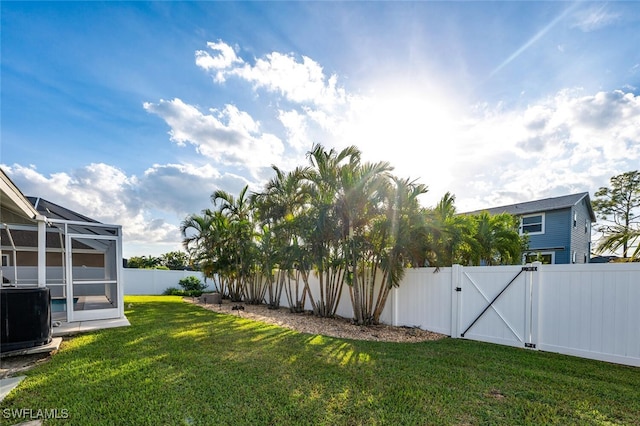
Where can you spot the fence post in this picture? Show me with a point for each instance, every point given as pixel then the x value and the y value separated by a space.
pixel 528 279
pixel 456 290
pixel 536 282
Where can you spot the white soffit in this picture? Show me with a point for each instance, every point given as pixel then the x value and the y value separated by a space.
pixel 12 199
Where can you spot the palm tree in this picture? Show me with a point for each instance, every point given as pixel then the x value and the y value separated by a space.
pixel 204 238
pixel 448 233
pixel 239 245
pixel 621 237
pixel 194 229
pixel 360 198
pixel 360 222
pixel 323 232
pixel 496 240
pixel 347 221
pixel 400 240
pixel 280 207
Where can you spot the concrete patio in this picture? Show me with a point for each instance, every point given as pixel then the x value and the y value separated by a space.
pixel 69 329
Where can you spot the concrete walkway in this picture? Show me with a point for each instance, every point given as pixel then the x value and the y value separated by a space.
pixel 7 385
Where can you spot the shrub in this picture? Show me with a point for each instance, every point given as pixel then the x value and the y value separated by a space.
pixel 173 291
pixel 192 283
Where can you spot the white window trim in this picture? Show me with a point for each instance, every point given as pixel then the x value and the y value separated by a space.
pixel 532 233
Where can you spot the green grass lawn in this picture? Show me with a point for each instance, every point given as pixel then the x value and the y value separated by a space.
pixel 180 364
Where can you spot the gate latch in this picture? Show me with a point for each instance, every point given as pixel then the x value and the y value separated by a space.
pixel 458 288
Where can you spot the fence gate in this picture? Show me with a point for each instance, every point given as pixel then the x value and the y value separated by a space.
pixel 496 306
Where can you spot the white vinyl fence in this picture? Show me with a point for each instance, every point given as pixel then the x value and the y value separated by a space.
pixel 586 310
pixel 155 281
pixel 591 311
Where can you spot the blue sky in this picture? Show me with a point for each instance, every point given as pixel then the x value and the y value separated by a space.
pixel 134 113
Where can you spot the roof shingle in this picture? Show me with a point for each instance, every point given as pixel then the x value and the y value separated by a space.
pixel 546 204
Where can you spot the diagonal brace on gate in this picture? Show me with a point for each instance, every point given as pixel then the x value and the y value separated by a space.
pixel 490 305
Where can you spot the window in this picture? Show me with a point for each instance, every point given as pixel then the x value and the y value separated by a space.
pixel 586 226
pixel 573 257
pixel 5 260
pixel 575 220
pixel 546 258
pixel 533 224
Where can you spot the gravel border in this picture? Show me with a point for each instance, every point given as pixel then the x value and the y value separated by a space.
pixel 333 327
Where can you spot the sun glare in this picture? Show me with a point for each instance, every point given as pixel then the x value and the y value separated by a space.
pixel 415 132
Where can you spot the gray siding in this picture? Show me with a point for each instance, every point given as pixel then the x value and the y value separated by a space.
pixel 580 239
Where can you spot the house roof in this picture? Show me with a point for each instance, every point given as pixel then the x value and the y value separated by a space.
pixel 15 206
pixel 544 205
pixel 54 211
pixel 78 223
pixel 16 209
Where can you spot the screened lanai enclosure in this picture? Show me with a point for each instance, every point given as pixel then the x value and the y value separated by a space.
pixel 79 259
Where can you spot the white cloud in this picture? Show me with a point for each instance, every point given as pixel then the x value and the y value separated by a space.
pixel 601 128
pixel 185 188
pixel 302 82
pixel 228 136
pixel 565 143
pixel 149 208
pixel 594 18
pixel 607 108
pixel 316 111
pixel 568 142
pixel 296 128
pixel 224 59
pixel 99 191
pixel 486 155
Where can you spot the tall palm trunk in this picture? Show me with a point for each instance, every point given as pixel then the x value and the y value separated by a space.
pixel 296 297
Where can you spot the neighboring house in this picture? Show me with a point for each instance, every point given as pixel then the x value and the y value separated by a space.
pixel 559 228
